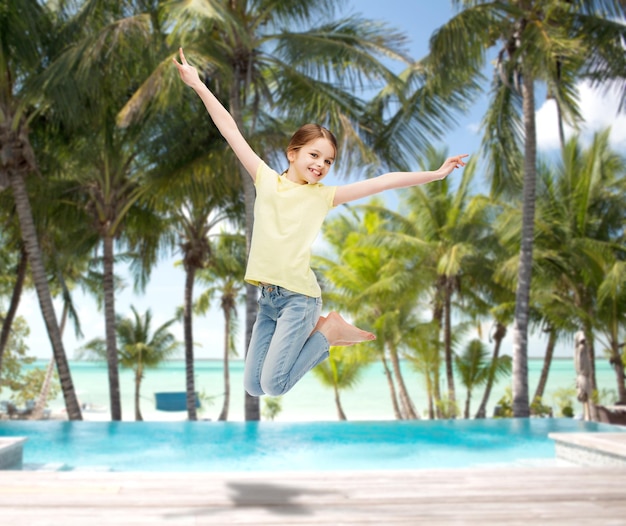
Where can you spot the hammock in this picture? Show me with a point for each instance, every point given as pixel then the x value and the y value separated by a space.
pixel 173 401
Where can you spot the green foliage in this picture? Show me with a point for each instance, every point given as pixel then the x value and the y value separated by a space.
pixel 504 407
pixel 15 356
pixel 564 400
pixel 343 368
pixel 17 384
pixel 206 401
pixel 605 396
pixel 272 406
pixel 537 408
pixel 138 345
pixel 30 386
pixel 382 279
pixel 447 408
pixel 475 366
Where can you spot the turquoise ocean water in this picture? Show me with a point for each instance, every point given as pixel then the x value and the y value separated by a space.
pixel 308 400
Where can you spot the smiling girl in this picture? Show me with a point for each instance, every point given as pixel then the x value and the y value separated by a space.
pixel 290 337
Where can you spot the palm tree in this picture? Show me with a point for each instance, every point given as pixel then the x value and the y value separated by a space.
pixel 551 41
pixel 498 335
pixel 372 283
pixel 224 275
pixel 612 310
pixel 67 242
pixel 44 392
pixel 139 347
pixel 579 242
pixel 446 233
pixel 424 354
pixel 197 195
pixel 454 226
pixel 271 75
pixel 26 29
pixel 342 370
pixel 104 160
pixel 498 298
pixel 392 324
pixel 474 368
pixel 547 312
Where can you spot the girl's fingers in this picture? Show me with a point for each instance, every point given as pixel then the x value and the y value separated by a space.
pixel 458 160
pixel 182 56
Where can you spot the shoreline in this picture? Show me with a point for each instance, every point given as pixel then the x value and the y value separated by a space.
pixel 309 400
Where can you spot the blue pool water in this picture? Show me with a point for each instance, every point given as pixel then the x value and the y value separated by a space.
pixel 260 446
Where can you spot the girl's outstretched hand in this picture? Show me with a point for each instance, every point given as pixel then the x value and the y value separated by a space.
pixel 450 164
pixel 188 73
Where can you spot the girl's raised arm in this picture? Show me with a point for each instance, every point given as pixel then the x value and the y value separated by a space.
pixel 388 181
pixel 220 116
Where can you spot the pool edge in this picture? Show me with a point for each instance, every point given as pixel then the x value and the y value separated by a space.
pixel 591 449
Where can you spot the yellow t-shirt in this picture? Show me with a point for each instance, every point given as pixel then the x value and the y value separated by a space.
pixel 287 219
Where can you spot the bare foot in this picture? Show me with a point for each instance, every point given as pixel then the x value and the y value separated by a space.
pixel 339 332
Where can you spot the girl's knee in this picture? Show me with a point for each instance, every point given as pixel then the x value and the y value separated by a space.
pixel 275 390
pixel 272 387
pixel 253 387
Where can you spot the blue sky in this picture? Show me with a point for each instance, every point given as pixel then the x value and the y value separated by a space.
pixel 165 291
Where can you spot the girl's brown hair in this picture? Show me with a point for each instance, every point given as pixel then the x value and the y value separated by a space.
pixel 308 133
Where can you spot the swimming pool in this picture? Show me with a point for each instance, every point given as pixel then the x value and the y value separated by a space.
pixel 265 446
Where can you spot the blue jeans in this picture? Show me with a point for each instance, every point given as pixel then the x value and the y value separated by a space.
pixel 282 349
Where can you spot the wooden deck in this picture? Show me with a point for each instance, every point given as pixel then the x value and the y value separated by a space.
pixel 510 496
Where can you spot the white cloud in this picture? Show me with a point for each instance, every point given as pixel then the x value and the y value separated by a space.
pixel 547 127
pixel 598 110
pixel 474 127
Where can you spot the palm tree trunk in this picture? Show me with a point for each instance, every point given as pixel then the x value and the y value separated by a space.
pixel 467 404
pixel 392 389
pixel 109 321
pixel 29 236
pixel 591 347
pixel 618 367
pixel 252 405
pixel 437 318
pixel 138 376
pixel 188 329
pixel 341 415
pixel 521 406
pixel 45 387
pixel 447 338
pixel 225 406
pixel 547 362
pixel 408 411
pixel 589 405
pixel 430 396
pixel 20 277
pixel 498 337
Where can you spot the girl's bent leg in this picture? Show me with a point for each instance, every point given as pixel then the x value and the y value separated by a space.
pixel 294 350
pixel 315 351
pixel 262 333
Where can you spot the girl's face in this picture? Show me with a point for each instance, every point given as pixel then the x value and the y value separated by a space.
pixel 311 163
